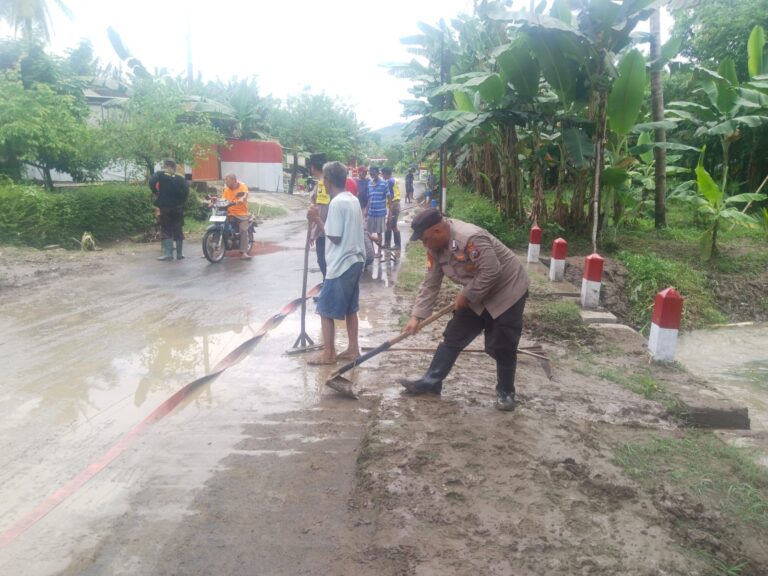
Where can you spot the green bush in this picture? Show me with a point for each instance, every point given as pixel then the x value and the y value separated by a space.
pixel 35 217
pixel 649 274
pixel 478 210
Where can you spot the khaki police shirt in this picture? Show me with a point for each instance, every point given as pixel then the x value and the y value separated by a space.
pixel 492 277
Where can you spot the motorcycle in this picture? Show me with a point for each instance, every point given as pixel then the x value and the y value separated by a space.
pixel 224 232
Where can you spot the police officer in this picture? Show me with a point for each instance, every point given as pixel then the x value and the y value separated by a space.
pixel 170 192
pixel 495 287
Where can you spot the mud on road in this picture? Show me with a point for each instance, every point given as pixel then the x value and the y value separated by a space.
pixel 398 485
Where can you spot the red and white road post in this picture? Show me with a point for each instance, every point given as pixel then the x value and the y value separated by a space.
pixel 667 312
pixel 557 265
pixel 534 244
pixel 592 281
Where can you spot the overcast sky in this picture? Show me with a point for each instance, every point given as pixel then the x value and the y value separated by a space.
pixel 333 46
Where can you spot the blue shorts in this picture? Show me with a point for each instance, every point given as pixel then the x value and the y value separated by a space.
pixel 340 296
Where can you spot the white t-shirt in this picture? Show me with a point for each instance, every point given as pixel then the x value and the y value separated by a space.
pixel 345 220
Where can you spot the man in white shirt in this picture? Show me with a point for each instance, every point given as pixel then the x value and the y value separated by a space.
pixel 345 257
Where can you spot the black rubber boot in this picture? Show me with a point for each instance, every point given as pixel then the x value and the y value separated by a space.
pixel 432 381
pixel 179 246
pixel 397 239
pixel 505 384
pixel 388 239
pixel 167 250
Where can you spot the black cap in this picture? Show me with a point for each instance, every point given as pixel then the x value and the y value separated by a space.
pixel 424 220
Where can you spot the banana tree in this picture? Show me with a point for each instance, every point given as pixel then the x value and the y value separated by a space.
pixel 716 208
pixel 578 57
pixel 730 105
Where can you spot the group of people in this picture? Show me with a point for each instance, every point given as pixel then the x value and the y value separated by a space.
pixel 343 211
pixel 494 282
pixel 169 194
pixel 378 195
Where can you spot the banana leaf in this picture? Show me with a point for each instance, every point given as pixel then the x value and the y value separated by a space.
pixel 755 46
pixel 626 96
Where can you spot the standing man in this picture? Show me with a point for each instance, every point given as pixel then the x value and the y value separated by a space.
pixel 321 199
pixel 409 185
pixel 237 192
pixel 378 191
pixel 393 211
pixel 362 188
pixel 345 254
pixel 495 287
pixel 170 192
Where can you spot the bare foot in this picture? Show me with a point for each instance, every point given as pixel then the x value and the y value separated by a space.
pixel 321 360
pixel 348 354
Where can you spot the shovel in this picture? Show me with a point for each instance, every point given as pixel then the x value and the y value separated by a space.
pixel 344 386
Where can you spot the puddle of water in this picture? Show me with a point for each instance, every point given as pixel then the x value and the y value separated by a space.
pixel 735 361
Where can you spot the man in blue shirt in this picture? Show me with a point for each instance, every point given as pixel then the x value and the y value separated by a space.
pixel 378 191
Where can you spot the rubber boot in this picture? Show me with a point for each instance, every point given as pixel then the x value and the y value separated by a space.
pixel 432 381
pixel 397 244
pixel 505 383
pixel 167 244
pixel 179 245
pixel 388 240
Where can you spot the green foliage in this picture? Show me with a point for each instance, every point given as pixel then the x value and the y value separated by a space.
pixel 156 123
pixel 649 274
pixel 43 117
pixel 478 210
pixel 36 217
pixel 626 97
pixel 412 269
pixel 709 37
pixel 317 123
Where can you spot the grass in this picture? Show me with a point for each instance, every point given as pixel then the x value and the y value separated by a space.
pixel 650 273
pixel 707 470
pixel 558 320
pixel 643 384
pixel 412 268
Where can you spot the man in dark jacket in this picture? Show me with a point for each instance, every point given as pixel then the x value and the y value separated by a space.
pixel 170 192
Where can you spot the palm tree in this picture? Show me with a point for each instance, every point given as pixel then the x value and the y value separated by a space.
pixel 31 17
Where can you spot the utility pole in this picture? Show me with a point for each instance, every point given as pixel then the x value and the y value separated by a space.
pixel 443 168
pixel 190 73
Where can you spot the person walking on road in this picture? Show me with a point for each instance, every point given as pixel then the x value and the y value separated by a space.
pixel 393 212
pixel 492 300
pixel 409 185
pixel 170 192
pixel 237 193
pixel 345 255
pixel 378 193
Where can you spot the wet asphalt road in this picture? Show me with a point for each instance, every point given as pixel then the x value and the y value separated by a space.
pixel 86 359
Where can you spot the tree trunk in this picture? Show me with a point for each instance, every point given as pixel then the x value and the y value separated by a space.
pixel 513 175
pixel 294 172
pixel 539 208
pixel 657 101
pixel 599 149
pixel 48 178
pixel 576 215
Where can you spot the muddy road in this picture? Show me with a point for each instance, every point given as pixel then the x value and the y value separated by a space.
pixel 90 352
pixel 266 471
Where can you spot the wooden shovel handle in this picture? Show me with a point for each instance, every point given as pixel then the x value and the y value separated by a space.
pixel 381 347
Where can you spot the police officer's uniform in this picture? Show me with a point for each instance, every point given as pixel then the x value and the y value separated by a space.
pixel 496 285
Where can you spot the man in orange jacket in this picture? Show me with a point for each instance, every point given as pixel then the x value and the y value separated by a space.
pixel 237 192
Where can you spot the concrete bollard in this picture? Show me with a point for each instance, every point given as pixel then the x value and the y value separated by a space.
pixel 667 311
pixel 534 244
pixel 557 265
pixel 592 281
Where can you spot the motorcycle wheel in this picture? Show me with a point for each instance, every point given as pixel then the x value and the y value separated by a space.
pixel 214 246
